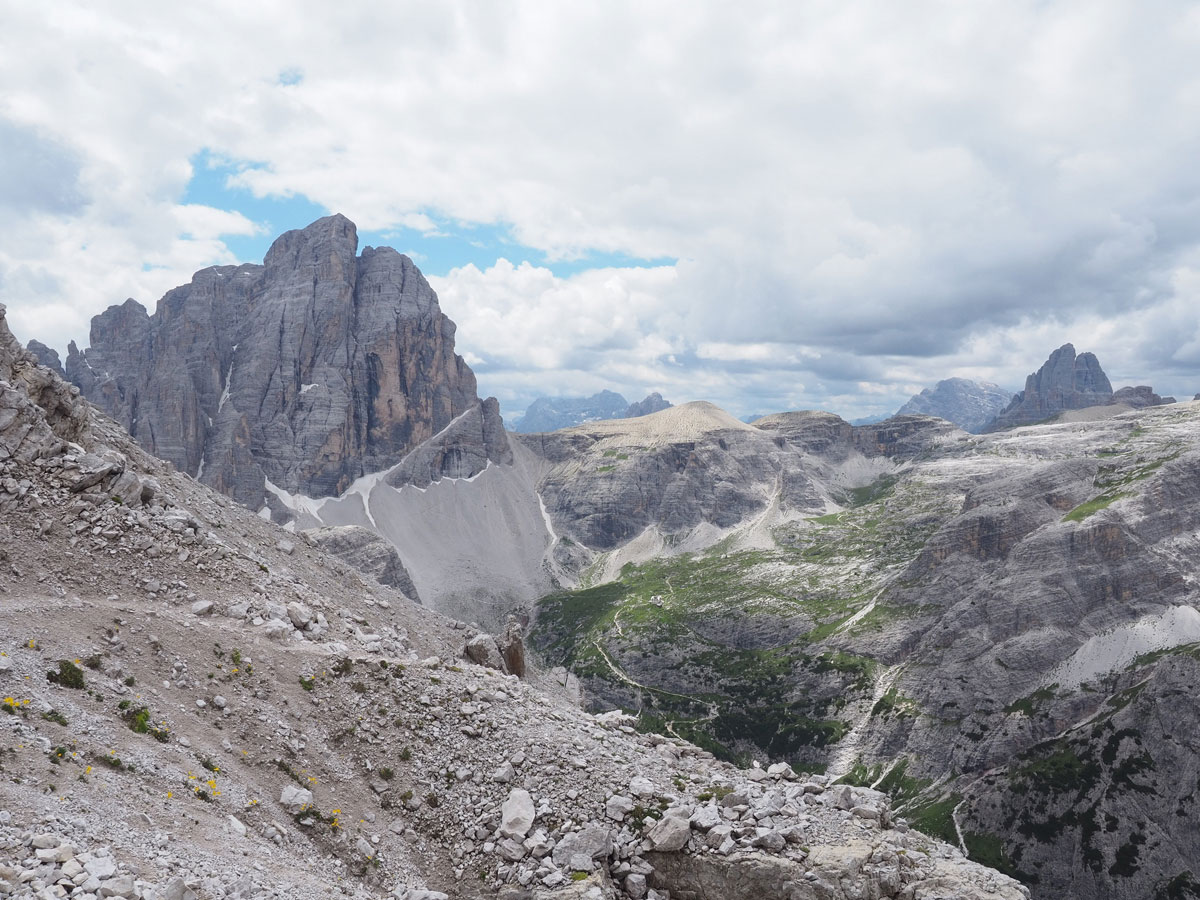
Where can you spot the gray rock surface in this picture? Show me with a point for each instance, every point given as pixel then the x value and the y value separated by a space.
pixel 366 551
pixel 971 405
pixel 1139 397
pixel 238 754
pixel 463 449
pixel 46 356
pixel 1065 381
pixel 651 403
pixel 310 370
pixel 675 470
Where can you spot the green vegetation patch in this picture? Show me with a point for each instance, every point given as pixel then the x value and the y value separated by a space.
pixel 936 817
pixel 68 675
pixel 1093 506
pixel 1028 705
pixel 988 850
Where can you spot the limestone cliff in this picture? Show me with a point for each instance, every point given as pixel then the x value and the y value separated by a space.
pixel 308 371
pixel 1065 381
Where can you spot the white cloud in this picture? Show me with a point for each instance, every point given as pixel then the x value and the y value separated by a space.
pixel 869 192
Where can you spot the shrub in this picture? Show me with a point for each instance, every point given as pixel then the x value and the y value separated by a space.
pixel 68 675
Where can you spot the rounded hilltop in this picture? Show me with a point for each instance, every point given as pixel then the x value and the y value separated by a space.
pixel 685 422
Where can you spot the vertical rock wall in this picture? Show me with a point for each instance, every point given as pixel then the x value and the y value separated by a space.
pixel 309 370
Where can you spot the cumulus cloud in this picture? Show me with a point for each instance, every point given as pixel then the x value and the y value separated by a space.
pixel 861 197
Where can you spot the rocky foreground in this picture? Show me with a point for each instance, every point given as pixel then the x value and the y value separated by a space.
pixel 198 704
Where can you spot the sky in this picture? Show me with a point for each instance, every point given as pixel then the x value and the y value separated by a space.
pixel 769 206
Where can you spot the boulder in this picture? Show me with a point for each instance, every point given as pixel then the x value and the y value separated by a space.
pixel 517 814
pixel 669 833
pixel 295 799
pixel 482 649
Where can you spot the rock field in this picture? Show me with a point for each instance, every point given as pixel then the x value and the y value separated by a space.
pixel 197 703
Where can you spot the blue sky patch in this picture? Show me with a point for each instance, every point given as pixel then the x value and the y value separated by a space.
pixel 454 243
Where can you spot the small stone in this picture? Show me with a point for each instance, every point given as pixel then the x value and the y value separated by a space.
pixel 618 807
pixel 504 774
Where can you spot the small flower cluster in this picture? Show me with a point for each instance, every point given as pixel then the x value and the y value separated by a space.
pixel 12 705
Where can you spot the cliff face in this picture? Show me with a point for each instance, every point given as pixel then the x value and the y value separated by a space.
pixel 1065 381
pixel 309 370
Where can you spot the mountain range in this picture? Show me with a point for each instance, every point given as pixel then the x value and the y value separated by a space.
pixel 553 413
pixel 997 630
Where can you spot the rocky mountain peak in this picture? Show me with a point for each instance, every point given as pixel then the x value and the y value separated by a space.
pixel 971 405
pixel 1065 381
pixel 328 238
pixel 651 403
pixel 306 372
pixel 46 356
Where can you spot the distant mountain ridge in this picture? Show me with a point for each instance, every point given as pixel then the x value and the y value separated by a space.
pixel 553 413
pixel 971 405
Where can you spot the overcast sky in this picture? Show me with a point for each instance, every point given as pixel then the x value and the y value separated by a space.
pixel 770 206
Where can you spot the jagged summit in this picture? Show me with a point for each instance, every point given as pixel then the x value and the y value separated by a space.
pixel 307 371
pixel 1064 382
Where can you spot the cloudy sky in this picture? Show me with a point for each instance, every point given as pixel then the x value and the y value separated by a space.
pixel 771 206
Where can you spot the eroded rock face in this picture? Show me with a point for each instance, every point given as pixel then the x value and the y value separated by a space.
pixel 463 449
pixel 675 470
pixel 39 410
pixel 367 552
pixel 649 404
pixel 1140 397
pixel 46 356
pixel 309 370
pixel 1065 381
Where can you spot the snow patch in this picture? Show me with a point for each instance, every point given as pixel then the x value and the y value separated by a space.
pixel 1118 648
pixel 546 518
pixel 297 503
pixel 305 388
pixel 228 382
